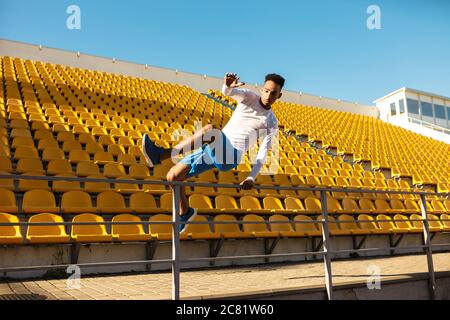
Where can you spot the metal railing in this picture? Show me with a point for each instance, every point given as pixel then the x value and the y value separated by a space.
pixel 429 125
pixel 176 262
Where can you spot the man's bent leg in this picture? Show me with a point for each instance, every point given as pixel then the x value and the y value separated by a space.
pixel 179 172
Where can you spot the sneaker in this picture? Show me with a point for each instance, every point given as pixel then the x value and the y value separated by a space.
pixel 187 217
pixel 151 151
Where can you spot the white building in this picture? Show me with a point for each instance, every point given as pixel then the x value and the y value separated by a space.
pixel 422 112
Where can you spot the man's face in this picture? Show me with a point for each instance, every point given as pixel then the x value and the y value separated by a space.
pixel 270 92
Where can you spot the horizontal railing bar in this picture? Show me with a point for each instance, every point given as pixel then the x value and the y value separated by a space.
pixel 5 224
pixel 121 263
pixel 218 185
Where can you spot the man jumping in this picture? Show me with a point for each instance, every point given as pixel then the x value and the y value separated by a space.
pixel 223 149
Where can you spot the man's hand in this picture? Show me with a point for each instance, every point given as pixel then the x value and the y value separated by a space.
pixel 231 80
pixel 247 184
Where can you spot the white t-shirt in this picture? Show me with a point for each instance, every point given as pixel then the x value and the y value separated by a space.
pixel 249 121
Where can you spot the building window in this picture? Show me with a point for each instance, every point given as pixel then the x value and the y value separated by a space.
pixel 439 111
pixel 413 106
pixel 393 111
pixel 427 109
pixel 401 104
pixel 448 113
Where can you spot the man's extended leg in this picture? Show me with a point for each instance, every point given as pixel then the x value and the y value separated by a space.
pixel 154 154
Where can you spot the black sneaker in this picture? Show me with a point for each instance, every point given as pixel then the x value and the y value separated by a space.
pixel 151 151
pixel 187 217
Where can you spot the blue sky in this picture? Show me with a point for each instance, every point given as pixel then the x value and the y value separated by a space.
pixel 321 47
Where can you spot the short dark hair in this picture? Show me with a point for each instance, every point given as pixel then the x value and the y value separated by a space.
pixel 276 78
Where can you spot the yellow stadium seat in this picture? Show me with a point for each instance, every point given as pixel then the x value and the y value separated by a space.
pixel 28 184
pixel 103 157
pixel 6 183
pixel 404 223
pixel 251 204
pixel 258 230
pixel 434 223
pixel 285 229
pixel 370 224
pixel 139 171
pixel 275 205
pixel 9 234
pixel 8 201
pixel 438 207
pixel 129 232
pixel 333 226
pixel 76 202
pixel 65 186
pixel 144 203
pixel 111 202
pixel 304 226
pixel 60 166
pixel 126 159
pixel 350 206
pixel 445 221
pixel 447 204
pixel 70 145
pixel 77 156
pixel 64 135
pixel 39 201
pixel 27 165
pixel 368 206
pixel 226 203
pixel 19 132
pixel 313 205
pixel 113 170
pixel 96 187
pixel 348 223
pixel 25 153
pixel 106 140
pixel 229 230
pixel 47 234
pixel 5 165
pixel 93 147
pixel 417 225
pixel 412 205
pixel 202 203
pixel 199 231
pixel 294 204
pixel 161 231
pixel 22 141
pixel 126 188
pixel 90 233
pixel 116 149
pixel 86 138
pixel 86 168
pixel 154 188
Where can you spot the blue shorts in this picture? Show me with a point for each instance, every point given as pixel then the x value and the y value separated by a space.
pixel 219 154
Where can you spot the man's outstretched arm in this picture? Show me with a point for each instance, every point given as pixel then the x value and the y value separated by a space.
pixel 249 182
pixel 230 87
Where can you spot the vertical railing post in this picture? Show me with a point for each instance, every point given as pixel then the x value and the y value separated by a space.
pixel 427 242
pixel 176 243
pixel 326 245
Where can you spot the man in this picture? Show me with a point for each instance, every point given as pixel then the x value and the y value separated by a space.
pixel 224 149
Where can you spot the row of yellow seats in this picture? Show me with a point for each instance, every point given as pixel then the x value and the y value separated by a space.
pixel 35 201
pixel 278 226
